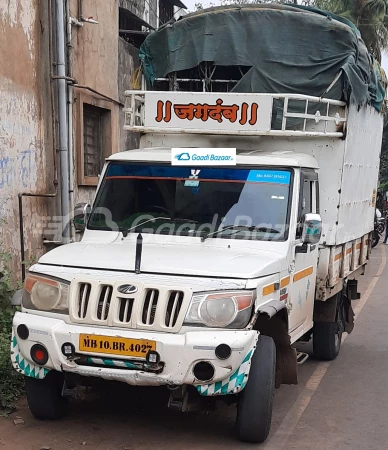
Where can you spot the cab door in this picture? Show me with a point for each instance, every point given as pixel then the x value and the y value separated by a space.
pixel 304 265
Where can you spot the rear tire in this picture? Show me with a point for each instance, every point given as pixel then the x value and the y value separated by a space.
pixel 44 397
pixel 254 409
pixel 327 339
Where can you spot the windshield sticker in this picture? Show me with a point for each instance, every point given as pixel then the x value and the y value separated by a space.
pixel 269 176
pixel 192 183
pixel 193 178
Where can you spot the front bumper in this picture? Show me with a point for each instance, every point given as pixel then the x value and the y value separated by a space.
pixel 179 352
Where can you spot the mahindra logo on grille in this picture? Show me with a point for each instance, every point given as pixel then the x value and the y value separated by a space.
pixel 127 289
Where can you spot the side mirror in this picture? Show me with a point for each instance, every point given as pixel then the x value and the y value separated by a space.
pixel 312 229
pixel 81 216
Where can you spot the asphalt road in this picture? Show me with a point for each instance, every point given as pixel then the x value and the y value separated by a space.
pixel 337 405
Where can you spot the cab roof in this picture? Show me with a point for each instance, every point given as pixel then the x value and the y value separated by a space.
pixel 247 158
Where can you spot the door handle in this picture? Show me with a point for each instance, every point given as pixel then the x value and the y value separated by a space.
pixel 304 248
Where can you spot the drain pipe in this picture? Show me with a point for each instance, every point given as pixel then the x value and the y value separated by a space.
pixel 71 21
pixel 62 119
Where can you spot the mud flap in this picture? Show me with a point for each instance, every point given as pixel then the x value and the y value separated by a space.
pixel 286 361
pixel 348 314
pixel 328 311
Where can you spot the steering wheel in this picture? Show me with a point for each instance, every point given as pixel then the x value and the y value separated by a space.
pixel 162 208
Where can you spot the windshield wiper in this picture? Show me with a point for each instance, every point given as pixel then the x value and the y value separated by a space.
pixel 167 219
pixel 241 227
pixel 180 220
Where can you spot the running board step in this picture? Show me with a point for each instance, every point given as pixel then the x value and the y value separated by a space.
pixel 301 357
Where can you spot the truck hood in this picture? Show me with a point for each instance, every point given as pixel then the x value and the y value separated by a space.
pixel 172 259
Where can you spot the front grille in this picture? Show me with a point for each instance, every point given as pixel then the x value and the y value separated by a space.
pixel 174 306
pixel 145 308
pixel 125 310
pixel 104 300
pixel 83 299
pixel 150 305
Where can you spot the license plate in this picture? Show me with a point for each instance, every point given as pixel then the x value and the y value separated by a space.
pixel 115 345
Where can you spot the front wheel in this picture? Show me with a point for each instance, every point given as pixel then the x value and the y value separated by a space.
pixel 44 397
pixel 254 409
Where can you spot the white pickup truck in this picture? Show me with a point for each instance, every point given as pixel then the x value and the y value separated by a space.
pixel 208 253
pixel 205 275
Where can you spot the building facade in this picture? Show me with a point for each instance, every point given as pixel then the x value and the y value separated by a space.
pixel 65 65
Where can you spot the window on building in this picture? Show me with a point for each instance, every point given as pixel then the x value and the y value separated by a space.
pixel 93 154
pixel 96 137
pixel 132 28
pixel 129 21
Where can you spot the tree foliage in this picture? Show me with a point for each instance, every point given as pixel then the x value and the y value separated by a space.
pixel 11 383
pixel 384 160
pixel 369 16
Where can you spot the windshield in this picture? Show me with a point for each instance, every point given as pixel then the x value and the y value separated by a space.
pixel 252 203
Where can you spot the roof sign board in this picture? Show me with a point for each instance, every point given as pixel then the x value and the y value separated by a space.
pixel 208 111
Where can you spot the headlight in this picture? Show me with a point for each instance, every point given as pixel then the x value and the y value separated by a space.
pixel 221 309
pixel 45 294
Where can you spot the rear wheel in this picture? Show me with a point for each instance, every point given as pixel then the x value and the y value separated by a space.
pixel 44 397
pixel 327 340
pixel 254 409
pixel 327 336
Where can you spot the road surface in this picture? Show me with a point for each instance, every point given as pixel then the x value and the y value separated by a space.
pixel 337 405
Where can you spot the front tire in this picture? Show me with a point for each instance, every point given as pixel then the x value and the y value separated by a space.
pixel 44 397
pixel 254 409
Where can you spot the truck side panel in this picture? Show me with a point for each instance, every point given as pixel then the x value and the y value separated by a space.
pixel 337 263
pixel 360 174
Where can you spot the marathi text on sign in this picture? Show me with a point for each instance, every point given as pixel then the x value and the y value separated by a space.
pixel 219 112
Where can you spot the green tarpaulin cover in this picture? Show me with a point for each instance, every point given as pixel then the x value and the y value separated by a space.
pixel 289 49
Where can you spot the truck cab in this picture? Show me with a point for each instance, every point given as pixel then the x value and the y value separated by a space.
pixel 216 222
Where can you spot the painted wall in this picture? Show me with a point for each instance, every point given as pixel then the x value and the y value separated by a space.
pixel 26 151
pixel 28 146
pixel 106 63
pixel 94 62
